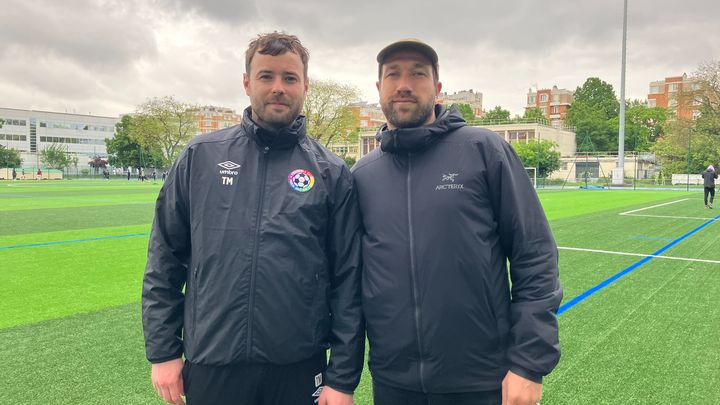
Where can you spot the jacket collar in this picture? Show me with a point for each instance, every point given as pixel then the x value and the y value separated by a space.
pixel 411 139
pixel 285 138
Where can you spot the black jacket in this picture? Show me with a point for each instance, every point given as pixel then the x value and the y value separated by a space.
pixel 445 206
pixel 709 177
pixel 245 267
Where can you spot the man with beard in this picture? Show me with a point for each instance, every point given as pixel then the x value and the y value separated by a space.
pixel 253 261
pixel 445 206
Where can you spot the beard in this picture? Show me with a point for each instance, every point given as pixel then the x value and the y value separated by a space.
pixel 420 113
pixel 276 119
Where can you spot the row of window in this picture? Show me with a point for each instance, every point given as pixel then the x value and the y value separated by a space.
pixel 12 137
pixel 76 126
pixel 12 121
pixel 83 141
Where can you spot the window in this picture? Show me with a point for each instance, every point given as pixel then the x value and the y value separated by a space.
pixel 696 114
pixel 673 87
pixel 543 110
pixel 531 100
pixel 556 97
pixel 543 98
pixel 672 102
pixel 655 89
pixel 652 103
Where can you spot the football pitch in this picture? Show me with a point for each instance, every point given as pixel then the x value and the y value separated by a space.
pixel 639 321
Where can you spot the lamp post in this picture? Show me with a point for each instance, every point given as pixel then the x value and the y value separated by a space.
pixel 619 174
pixel 687 188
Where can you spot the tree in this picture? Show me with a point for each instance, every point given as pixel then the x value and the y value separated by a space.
pixel 97 163
pixel 125 151
pixel 594 106
pixel 328 112
pixel 497 114
pixel 466 110
pixel 9 157
pixel 55 156
pixel 540 155
pixel 164 123
pixel 701 135
pixel 643 125
pixel 535 113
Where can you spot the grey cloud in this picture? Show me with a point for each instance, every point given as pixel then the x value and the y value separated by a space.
pixel 227 11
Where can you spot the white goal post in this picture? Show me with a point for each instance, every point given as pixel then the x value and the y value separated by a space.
pixel 532 173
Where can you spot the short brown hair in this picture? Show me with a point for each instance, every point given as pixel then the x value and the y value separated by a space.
pixel 276 43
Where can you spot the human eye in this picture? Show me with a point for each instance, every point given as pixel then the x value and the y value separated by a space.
pixel 291 79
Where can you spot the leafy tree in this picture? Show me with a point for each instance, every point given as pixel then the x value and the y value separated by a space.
pixel 594 106
pixel 125 151
pixel 535 113
pixel 643 125
pixel 98 163
pixel 497 114
pixel 9 157
pixel 55 156
pixel 327 110
pixel 349 160
pixel 164 123
pixel 467 111
pixel 541 155
pixel 702 135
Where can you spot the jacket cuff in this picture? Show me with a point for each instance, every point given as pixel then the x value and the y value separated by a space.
pixel 342 388
pixel 156 360
pixel 527 374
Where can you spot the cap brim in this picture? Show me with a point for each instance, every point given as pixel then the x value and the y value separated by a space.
pixel 408 45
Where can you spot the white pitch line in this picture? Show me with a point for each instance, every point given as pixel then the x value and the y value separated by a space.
pixel 653 206
pixel 639 254
pixel 669 216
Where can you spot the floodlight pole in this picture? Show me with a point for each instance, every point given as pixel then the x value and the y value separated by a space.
pixel 618 176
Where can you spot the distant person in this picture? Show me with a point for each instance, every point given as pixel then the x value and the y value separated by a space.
pixel 164 175
pixel 154 175
pixel 446 208
pixel 14 174
pixel 709 177
pixel 141 174
pixel 129 171
pixel 38 175
pixel 253 268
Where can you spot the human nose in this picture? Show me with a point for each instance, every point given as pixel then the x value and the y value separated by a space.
pixel 278 86
pixel 403 83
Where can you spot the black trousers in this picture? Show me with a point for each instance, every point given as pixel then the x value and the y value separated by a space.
pixel 387 395
pixel 255 384
pixel 711 191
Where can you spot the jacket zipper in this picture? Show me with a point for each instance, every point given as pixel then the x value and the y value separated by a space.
pixel 256 248
pixel 194 298
pixel 413 277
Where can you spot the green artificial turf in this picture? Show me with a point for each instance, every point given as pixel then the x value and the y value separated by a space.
pixel 70 321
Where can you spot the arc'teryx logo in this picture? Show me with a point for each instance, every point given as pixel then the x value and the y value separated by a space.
pixel 449 180
pixel 228 168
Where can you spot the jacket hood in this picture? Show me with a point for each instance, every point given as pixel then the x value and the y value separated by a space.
pixel 285 138
pixel 710 168
pixel 410 139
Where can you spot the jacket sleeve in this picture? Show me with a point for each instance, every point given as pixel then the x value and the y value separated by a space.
pixel 166 269
pixel 347 331
pixel 526 239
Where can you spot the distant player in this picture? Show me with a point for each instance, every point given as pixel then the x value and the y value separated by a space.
pixel 709 177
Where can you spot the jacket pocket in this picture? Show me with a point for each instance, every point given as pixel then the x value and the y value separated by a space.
pixel 321 308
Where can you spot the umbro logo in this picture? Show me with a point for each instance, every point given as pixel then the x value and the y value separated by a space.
pixel 228 165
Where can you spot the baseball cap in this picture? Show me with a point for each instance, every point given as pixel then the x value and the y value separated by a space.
pixel 410 44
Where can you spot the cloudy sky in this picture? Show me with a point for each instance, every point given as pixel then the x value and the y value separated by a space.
pixel 107 56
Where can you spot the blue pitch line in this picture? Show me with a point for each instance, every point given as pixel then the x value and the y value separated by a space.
pixel 64 242
pixel 565 307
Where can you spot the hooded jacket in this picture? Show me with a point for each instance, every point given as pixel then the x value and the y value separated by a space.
pixel 709 177
pixel 445 207
pixel 254 255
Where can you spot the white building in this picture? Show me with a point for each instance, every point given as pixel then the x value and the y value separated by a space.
pixel 30 131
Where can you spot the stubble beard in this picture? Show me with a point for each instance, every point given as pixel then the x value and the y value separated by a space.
pixel 417 118
pixel 275 120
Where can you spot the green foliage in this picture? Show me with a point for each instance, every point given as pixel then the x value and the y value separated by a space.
pixel 690 146
pixel 534 113
pixel 643 126
pixel 541 155
pixel 55 156
pixel 497 114
pixel 466 111
pixel 125 151
pixel 9 157
pixel 349 160
pixel 328 112
pixel 591 113
pixel 165 124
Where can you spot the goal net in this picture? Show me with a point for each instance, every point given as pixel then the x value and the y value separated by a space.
pixel 532 173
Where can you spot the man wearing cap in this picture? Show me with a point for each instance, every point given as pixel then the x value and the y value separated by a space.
pixel 446 206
